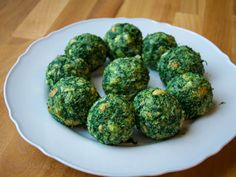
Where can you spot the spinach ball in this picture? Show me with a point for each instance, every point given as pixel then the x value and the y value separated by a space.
pixel 89 47
pixel 111 120
pixel 194 92
pixel 125 77
pixel 154 45
pixel 179 60
pixel 63 66
pixel 70 100
pixel 124 40
pixel 158 114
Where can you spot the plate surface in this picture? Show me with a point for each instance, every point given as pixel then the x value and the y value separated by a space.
pixel 25 94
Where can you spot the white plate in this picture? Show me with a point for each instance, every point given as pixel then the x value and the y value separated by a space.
pixel 25 94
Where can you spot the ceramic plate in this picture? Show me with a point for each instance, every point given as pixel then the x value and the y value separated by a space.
pixel 25 94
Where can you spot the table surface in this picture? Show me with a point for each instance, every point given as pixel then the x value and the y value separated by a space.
pixel 23 21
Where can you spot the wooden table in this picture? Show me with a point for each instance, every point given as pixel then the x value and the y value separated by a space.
pixel 22 21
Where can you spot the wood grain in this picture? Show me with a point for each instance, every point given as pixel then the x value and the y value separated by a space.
pixel 21 22
pixel 40 19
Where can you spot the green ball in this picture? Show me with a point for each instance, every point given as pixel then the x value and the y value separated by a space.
pixel 125 77
pixel 158 114
pixel 123 40
pixel 63 66
pixel 194 92
pixel 111 120
pixel 89 47
pixel 154 45
pixel 179 60
pixel 70 100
